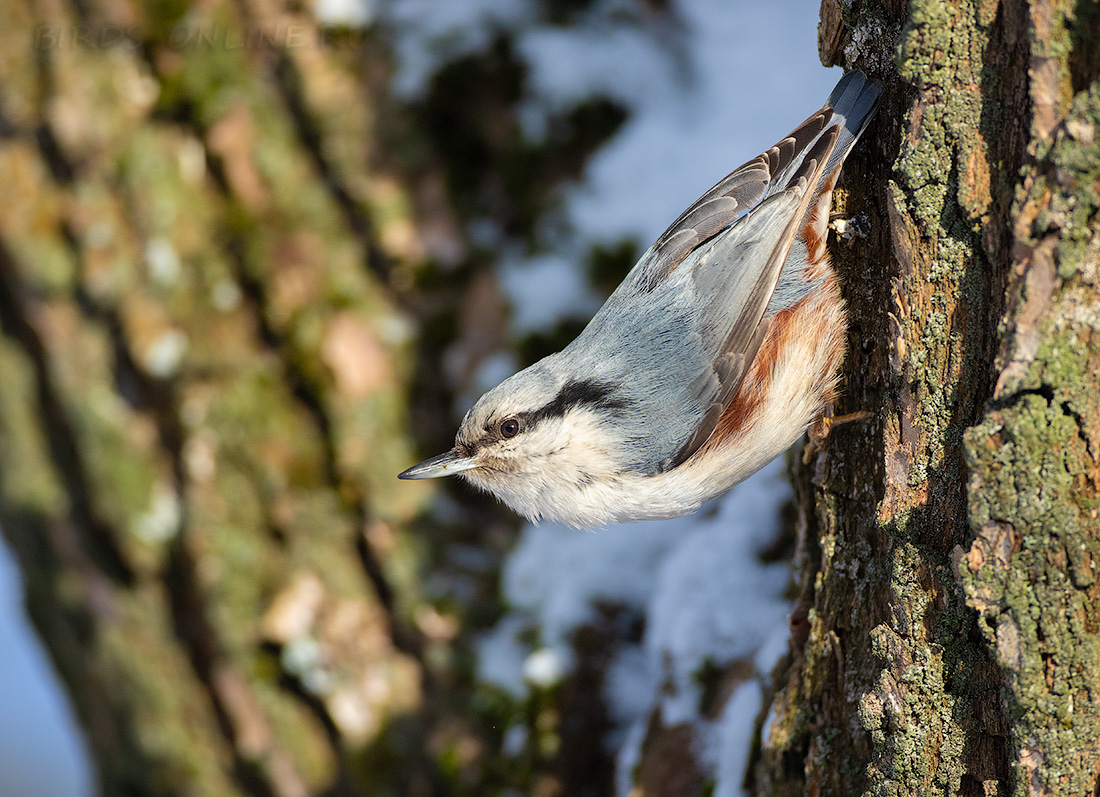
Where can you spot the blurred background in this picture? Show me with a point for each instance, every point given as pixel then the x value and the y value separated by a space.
pixel 255 259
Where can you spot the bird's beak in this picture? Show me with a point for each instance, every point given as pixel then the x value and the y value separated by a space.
pixel 447 464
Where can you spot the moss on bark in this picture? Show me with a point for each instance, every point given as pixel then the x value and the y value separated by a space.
pixel 976 340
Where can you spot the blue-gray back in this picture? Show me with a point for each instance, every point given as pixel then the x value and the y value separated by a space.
pixel 677 336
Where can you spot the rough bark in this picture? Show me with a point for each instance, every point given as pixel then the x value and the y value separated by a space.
pixel 230 273
pixel 949 548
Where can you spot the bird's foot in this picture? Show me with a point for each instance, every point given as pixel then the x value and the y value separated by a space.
pixel 821 428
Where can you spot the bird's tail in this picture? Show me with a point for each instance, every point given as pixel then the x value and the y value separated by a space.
pixel 850 108
pixel 853 102
pixel 848 112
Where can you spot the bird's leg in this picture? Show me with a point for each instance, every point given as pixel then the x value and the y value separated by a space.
pixel 821 428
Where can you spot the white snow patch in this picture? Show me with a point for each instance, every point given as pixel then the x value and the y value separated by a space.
pixel 557 575
pixel 345 13
pixel 630 753
pixel 775 646
pixel 734 738
pixel 501 654
pixel 164 355
pixel 544 667
pixel 161 521
pixel 704 593
pixel 713 599
pixel 630 687
pixel 163 262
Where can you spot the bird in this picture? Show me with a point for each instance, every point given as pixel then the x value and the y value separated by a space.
pixel 716 353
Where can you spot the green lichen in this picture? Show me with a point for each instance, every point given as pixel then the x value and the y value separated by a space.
pixel 912 713
pixel 945 202
pixel 1041 623
pixel 1076 157
pixel 169 713
pixel 299 731
pixel 1031 571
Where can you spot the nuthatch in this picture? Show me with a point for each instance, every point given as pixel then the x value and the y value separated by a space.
pixel 714 355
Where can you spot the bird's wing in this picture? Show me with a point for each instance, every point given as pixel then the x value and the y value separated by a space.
pixel 800 158
pixel 679 348
pixel 739 192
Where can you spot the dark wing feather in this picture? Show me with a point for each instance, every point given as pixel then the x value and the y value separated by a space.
pixel 749 329
pixel 740 191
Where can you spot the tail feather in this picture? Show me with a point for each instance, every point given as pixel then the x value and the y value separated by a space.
pixel 854 102
pixel 851 106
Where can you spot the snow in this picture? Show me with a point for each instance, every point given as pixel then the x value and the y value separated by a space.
pixel 345 13
pixel 501 656
pixel 713 599
pixel 734 740
pixel 705 596
pixel 545 667
pixel 556 575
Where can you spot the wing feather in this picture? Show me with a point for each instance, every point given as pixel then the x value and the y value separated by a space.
pixel 733 196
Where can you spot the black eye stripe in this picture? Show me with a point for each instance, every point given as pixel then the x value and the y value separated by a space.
pixel 573 394
pixel 580 393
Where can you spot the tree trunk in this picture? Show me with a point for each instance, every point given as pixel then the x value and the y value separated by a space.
pixel 201 410
pixel 949 547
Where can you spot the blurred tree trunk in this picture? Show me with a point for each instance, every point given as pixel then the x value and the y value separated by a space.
pixel 201 402
pixel 950 547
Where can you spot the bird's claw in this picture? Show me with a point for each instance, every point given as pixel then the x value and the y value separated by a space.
pixel 821 428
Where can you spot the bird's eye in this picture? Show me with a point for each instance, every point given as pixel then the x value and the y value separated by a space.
pixel 509 427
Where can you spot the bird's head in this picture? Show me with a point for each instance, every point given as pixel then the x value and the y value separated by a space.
pixel 538 441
